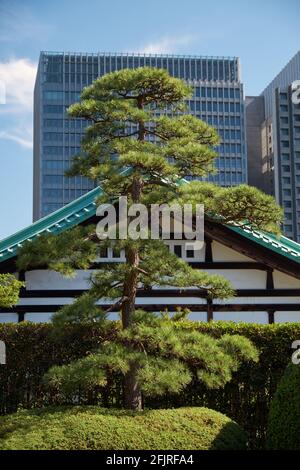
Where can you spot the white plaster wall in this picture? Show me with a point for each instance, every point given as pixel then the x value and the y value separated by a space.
pixel 139 301
pixel 284 317
pixel 223 253
pixel 8 318
pixel 38 317
pixel 47 280
pixel 243 278
pixel 248 317
pixel 259 300
pixel 283 281
pixel 198 316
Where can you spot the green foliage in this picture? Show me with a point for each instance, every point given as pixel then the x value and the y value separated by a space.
pixel 65 252
pixel 32 349
pixel 9 290
pixel 83 310
pixel 117 153
pixel 168 358
pixel 284 419
pixel 242 205
pixel 94 428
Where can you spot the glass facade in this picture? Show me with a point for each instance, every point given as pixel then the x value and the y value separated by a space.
pixel 284 116
pixel 288 158
pixel 217 99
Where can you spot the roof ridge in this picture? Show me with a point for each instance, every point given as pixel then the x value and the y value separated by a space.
pixel 84 208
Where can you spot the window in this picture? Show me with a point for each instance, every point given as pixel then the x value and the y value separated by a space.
pixel 53 165
pixel 190 254
pixel 53 95
pixel 178 250
pixel 284 132
pixel 284 120
pixel 286 168
pixel 53 136
pixel 52 180
pixel 285 143
pixel 287 204
pixel 53 122
pixel 284 108
pixel 103 252
pixel 53 108
pixel 53 151
pixel 52 194
pixel 47 208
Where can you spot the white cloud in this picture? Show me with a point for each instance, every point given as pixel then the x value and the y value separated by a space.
pixel 18 76
pixel 23 136
pixel 168 44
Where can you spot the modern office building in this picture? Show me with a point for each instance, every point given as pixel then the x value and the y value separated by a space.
pixel 273 136
pixel 218 99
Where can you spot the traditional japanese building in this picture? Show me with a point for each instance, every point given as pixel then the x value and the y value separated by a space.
pixel 264 270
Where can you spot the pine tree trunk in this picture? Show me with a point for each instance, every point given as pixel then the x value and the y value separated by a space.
pixel 132 391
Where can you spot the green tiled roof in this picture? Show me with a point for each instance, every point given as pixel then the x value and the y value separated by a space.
pixel 68 216
pixel 84 208
pixel 281 245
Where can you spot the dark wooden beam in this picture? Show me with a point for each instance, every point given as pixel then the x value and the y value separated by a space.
pixel 59 293
pixel 172 308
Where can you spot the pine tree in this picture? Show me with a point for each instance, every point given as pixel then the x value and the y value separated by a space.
pixel 9 290
pixel 141 143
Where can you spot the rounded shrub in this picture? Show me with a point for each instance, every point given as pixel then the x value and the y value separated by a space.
pixel 94 428
pixel 284 417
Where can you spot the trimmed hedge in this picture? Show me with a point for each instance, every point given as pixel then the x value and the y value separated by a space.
pixel 33 348
pixel 93 428
pixel 284 419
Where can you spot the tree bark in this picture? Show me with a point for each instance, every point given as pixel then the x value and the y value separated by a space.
pixel 132 391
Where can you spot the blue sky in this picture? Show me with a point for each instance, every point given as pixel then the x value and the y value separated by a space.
pixel 263 33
